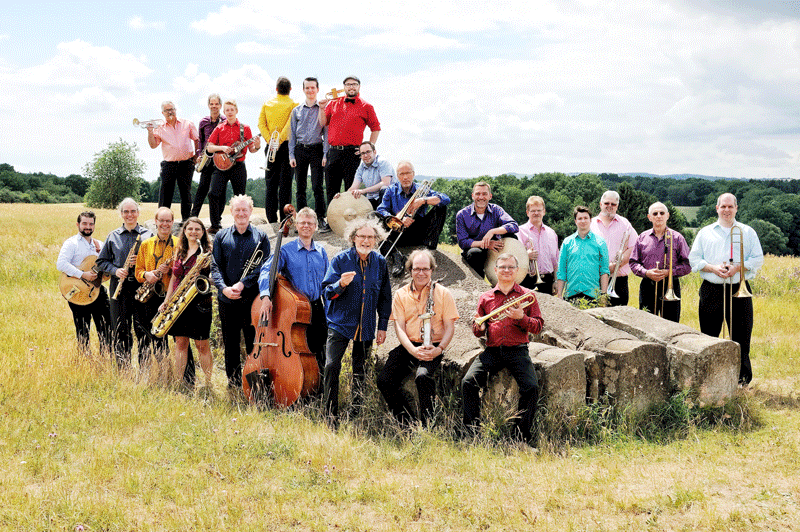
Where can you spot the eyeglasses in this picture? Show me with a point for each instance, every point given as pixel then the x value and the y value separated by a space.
pixel 351 84
pixel 363 153
pixel 304 223
pixel 507 268
pixel 609 204
pixel 366 237
pixel 659 213
pixel 420 270
pixel 168 110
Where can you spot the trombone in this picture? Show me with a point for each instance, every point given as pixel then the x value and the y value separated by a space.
pixel 535 268
pixel 742 292
pixel 622 247
pixel 146 124
pixel 669 295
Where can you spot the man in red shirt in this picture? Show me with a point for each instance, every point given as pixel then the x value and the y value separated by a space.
pixel 346 119
pixel 506 346
pixel 222 140
pixel 179 142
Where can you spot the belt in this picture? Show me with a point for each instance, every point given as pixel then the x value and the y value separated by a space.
pixel 345 147
pixel 309 145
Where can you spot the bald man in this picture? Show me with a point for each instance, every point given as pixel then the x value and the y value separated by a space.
pixel 717 257
pixel 650 261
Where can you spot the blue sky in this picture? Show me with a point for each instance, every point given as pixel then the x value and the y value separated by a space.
pixel 461 89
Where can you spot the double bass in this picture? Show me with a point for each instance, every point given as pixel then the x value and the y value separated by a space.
pixel 281 367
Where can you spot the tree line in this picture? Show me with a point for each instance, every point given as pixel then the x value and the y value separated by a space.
pixel 771 207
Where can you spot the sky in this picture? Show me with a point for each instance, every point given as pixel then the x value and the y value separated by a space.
pixel 461 89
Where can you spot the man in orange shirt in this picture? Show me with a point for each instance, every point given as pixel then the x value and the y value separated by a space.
pixel 175 137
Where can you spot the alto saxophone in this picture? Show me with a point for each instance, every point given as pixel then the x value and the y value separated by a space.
pixel 187 290
pixel 148 290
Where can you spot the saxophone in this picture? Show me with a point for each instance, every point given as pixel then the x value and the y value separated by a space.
pixel 190 286
pixel 148 290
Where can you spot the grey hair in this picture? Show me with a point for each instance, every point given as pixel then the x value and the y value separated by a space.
pixel 358 223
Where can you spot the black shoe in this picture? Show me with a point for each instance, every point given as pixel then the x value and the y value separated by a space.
pixel 398 269
pixel 324 227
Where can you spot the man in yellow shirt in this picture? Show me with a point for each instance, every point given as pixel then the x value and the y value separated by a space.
pixel 275 117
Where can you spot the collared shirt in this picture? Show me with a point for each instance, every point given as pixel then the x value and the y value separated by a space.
pixel 394 199
pixel 581 264
pixel 470 227
pixel 650 250
pixel 231 251
pixel 275 117
pixel 115 250
pixel 507 332
pixel 207 126
pixel 304 128
pixel 73 252
pixel 351 309
pixel 712 245
pixel 227 134
pixel 613 235
pixel 176 141
pixel 152 254
pixel 409 304
pixel 304 268
pixel 545 241
pixel 372 174
pixel 347 121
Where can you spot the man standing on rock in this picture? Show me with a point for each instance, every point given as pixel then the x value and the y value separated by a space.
pixel 424 315
pixel 650 261
pixel 506 346
pixel 274 118
pixel 716 255
pixel 583 261
pixel 613 228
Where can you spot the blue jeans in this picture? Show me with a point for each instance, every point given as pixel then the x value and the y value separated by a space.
pixel 336 346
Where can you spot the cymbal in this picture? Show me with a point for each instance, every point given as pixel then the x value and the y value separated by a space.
pixel 516 248
pixel 346 208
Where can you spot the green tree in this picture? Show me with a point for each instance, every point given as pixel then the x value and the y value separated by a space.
pixel 115 173
pixel 771 237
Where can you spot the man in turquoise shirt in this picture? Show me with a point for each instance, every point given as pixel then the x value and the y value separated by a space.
pixel 583 261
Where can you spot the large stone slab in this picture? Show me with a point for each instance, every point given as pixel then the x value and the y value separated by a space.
pixel 631 372
pixel 707 366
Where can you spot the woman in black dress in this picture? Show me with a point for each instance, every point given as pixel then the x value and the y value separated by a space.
pixel 195 321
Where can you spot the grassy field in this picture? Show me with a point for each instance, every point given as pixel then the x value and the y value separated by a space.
pixel 86 448
pixel 691 214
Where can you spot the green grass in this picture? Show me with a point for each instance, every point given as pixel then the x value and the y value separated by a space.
pixel 85 447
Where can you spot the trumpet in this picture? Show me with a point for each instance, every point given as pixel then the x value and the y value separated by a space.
pixel 622 247
pixel 334 94
pixel 147 124
pixel 253 262
pixel 499 313
pixel 272 149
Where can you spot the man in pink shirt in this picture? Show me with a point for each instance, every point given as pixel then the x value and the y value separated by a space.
pixel 612 227
pixel 542 245
pixel 179 142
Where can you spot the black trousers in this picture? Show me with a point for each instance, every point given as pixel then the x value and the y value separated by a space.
pixel 279 183
pixel 476 257
pixel 123 318
pixel 400 365
pixel 159 347
pixel 340 167
pixel 493 359
pixel 424 231
pixel 546 287
pixel 98 311
pixel 650 293
pixel 234 317
pixel 180 172
pixel 309 157
pixel 317 334
pixel 202 188
pixel 739 319
pixel 237 175
pixel 336 346
pixel 621 288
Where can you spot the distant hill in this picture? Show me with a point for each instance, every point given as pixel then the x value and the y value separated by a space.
pixel 625 174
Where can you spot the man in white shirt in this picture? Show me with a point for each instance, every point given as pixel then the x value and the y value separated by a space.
pixel 719 257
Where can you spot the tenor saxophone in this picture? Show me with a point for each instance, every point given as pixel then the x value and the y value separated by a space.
pixel 187 290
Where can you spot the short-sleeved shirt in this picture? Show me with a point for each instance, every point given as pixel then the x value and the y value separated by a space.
pixel 581 263
pixel 227 134
pixel 176 141
pixel 371 174
pixel 347 121
pixel 613 235
pixel 408 304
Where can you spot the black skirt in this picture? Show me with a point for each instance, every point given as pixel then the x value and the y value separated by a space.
pixel 195 321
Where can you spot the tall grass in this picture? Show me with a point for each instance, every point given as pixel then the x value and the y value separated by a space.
pixel 85 447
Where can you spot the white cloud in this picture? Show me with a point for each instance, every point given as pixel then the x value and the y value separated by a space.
pixel 138 23
pixel 4 36
pixel 257 48
pixel 397 41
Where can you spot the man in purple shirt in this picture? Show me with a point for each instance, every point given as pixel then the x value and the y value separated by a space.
pixel 650 260
pixel 207 125
pixel 480 226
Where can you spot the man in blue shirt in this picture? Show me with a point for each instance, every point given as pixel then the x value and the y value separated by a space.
pixel 308 144
pixel 374 173
pixel 423 221
pixel 583 261
pixel 356 288
pixel 304 263
pixel 235 274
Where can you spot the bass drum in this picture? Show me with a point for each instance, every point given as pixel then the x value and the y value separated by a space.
pixel 516 248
